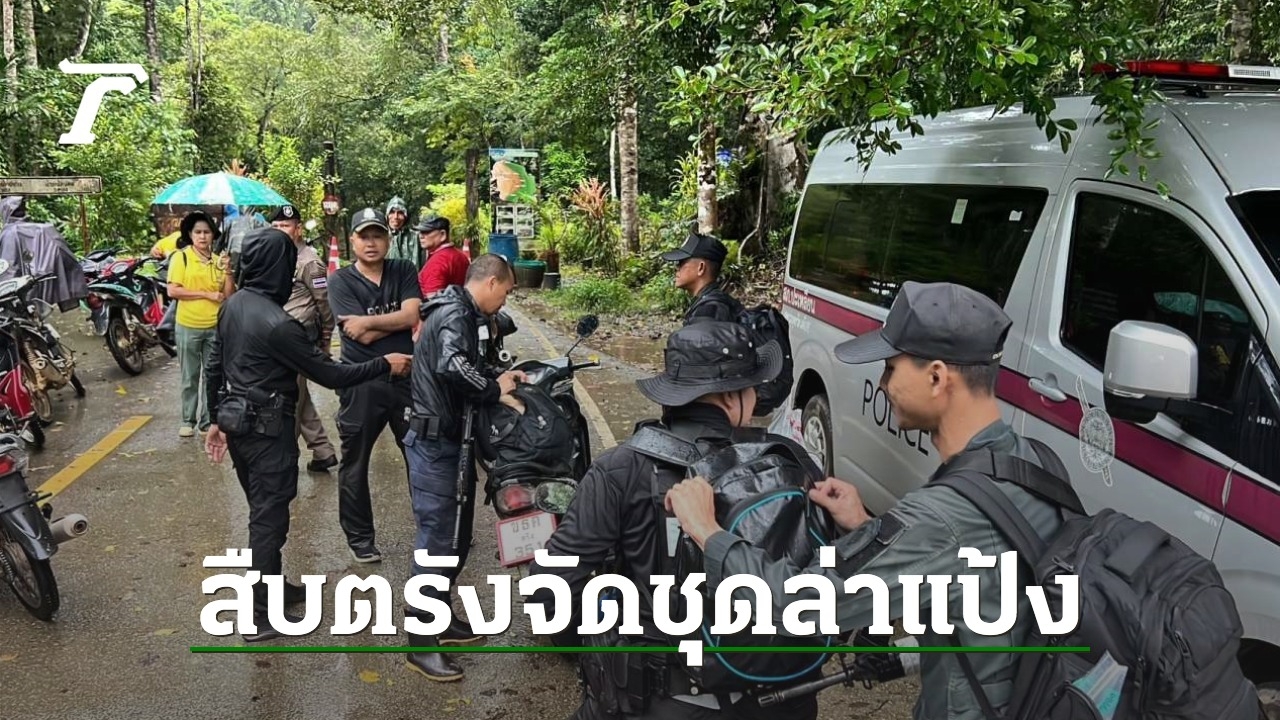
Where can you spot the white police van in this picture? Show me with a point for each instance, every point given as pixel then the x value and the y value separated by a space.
pixel 1176 299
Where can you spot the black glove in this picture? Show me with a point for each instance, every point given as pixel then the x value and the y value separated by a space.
pixel 877 666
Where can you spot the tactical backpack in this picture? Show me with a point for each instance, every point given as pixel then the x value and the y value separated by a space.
pixel 537 443
pixel 761 494
pixel 1155 606
pixel 769 324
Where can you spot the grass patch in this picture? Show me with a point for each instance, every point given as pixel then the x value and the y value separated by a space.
pixel 594 295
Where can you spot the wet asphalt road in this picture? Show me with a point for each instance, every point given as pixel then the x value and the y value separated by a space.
pixel 131 597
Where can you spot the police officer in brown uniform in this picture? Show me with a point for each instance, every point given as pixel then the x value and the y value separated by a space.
pixel 309 304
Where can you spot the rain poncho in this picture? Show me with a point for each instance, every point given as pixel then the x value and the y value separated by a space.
pixel 35 249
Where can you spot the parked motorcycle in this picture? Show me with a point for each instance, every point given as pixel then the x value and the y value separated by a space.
pixel 528 497
pixel 52 365
pixel 17 382
pixel 97 261
pixel 28 538
pixel 126 306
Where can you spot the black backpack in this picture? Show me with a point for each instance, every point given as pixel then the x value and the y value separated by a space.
pixel 537 443
pixel 1156 606
pixel 769 324
pixel 761 494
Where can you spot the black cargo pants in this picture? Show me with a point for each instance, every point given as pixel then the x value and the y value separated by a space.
pixel 267 468
pixel 364 412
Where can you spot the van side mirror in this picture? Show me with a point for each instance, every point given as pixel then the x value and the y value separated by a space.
pixel 1150 369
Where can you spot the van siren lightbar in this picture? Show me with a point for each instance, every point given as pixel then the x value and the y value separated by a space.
pixel 1179 70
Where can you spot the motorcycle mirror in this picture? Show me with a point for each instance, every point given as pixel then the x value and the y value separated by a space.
pixel 588 325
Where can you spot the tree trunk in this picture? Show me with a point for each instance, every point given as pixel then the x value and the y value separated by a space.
pixel 153 47
pixel 191 60
pixel 27 22
pixel 613 162
pixel 473 196
pixel 629 153
pixel 444 44
pixel 1243 45
pixel 86 24
pixel 10 67
pixel 708 215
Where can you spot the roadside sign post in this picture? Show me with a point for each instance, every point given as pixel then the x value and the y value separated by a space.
pixel 64 185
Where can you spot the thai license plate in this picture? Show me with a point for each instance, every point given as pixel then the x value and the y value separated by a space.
pixel 520 537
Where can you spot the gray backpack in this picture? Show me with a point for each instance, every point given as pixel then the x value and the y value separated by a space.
pixel 1157 607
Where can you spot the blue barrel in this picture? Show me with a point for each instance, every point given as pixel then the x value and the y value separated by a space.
pixel 508 246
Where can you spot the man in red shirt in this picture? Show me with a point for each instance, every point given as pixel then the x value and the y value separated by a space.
pixel 446 265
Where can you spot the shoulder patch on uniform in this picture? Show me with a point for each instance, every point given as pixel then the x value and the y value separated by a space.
pixel 888 528
pixel 320 282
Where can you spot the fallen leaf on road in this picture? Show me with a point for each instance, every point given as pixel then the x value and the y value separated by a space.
pixel 164 632
pixel 8 658
pixel 109 548
pixel 121 391
pixel 370 676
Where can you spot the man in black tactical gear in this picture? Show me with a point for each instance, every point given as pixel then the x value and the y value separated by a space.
pixel 698 273
pixel 450 379
pixel 252 381
pixel 707 391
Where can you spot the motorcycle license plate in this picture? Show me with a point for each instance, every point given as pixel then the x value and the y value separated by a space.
pixel 520 537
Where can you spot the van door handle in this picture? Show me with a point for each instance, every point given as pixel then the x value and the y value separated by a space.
pixel 1047 390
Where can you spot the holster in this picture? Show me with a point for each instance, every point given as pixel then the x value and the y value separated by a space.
pixel 424 426
pixel 235 415
pixel 269 412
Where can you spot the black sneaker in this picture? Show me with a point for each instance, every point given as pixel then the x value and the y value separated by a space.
pixel 318 466
pixel 366 554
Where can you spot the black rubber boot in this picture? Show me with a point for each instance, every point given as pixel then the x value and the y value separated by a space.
pixel 433 665
pixel 461 633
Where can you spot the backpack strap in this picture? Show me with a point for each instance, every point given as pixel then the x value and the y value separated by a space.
pixel 1049 483
pixel 659 443
pixel 1000 510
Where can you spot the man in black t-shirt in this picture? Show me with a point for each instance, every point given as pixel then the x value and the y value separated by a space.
pixel 375 304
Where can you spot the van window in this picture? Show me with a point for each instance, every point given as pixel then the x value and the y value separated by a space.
pixel 1257 212
pixel 1134 262
pixel 864 241
pixel 1259 415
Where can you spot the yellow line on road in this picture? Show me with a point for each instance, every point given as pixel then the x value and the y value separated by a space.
pixel 584 398
pixel 93 455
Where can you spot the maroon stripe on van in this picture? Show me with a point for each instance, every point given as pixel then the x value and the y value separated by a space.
pixel 1251 503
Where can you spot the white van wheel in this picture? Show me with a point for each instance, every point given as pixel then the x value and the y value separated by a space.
pixel 815 428
pixel 1269 694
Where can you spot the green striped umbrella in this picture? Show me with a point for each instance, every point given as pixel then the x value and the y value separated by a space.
pixel 220 188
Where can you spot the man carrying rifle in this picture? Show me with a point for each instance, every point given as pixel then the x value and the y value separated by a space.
pixel 449 383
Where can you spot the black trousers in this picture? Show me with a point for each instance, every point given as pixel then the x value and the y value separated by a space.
pixel 268 472
pixel 364 412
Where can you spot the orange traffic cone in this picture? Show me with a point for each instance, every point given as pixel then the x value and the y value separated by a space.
pixel 333 254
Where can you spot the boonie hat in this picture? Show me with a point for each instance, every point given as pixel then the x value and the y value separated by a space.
pixel 285 212
pixel 709 357
pixel 935 321
pixel 698 246
pixel 432 223
pixel 369 217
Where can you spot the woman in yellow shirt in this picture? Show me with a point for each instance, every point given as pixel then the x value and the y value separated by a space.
pixel 198 282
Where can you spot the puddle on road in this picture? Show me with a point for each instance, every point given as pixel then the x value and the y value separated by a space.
pixel 635 350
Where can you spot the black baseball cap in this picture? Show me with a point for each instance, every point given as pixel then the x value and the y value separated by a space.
pixel 698 246
pixel 432 223
pixel 369 217
pixel 935 321
pixel 285 212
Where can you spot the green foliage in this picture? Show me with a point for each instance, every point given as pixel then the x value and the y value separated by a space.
pixel 450 201
pixel 562 170
pixel 661 294
pixel 141 147
pixel 220 124
pixel 301 182
pixel 593 294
